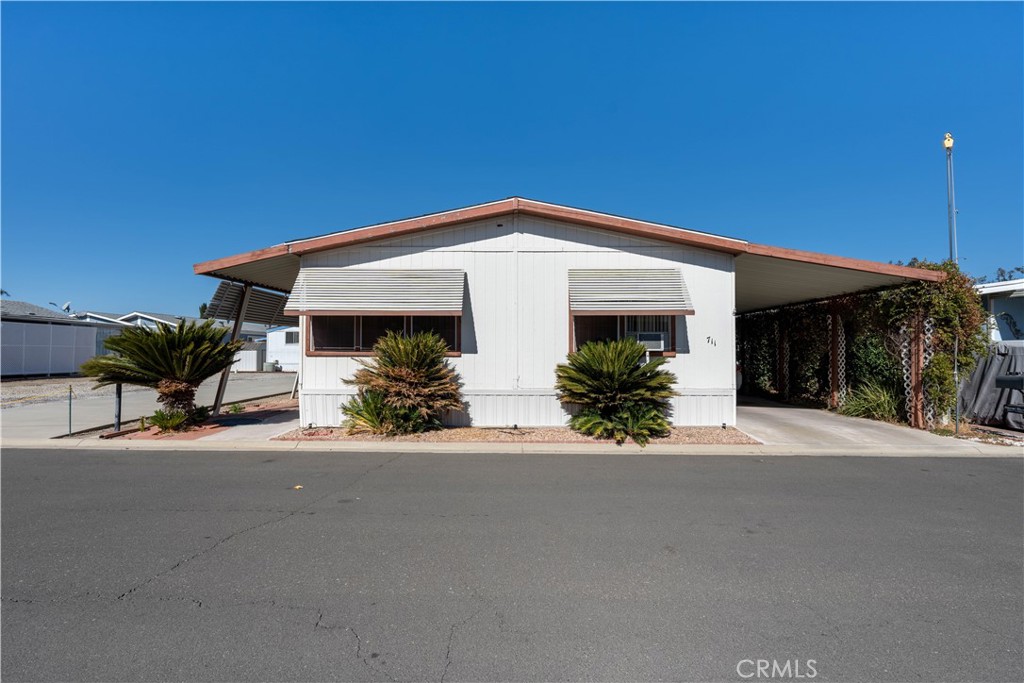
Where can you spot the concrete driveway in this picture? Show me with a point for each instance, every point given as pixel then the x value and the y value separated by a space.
pixel 778 424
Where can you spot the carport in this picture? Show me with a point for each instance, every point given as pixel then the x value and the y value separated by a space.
pixel 772 280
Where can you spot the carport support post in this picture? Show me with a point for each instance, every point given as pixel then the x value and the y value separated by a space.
pixel 917 373
pixel 834 361
pixel 243 303
pixel 783 363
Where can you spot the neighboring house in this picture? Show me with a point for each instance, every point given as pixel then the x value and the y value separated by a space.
pixel 514 285
pixel 40 341
pixel 283 347
pixel 250 331
pixel 250 357
pixel 1004 302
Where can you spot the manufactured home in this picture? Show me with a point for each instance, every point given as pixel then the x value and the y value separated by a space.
pixel 513 286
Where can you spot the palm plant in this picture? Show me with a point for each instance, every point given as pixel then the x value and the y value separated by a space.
pixel 620 395
pixel 172 360
pixel 411 376
pixel 607 375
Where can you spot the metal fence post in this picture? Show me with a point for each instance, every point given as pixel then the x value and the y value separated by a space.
pixel 117 407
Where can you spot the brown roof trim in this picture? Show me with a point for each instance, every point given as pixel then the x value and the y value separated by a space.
pixel 631 226
pixel 207 267
pixel 531 207
pixel 844 262
pixel 404 227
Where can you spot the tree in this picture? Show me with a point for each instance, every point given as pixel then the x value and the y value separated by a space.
pixel 202 310
pixel 172 360
pixel 1002 275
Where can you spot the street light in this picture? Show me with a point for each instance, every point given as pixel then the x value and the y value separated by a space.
pixel 947 143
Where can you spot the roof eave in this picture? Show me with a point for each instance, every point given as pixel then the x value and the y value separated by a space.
pixel 845 262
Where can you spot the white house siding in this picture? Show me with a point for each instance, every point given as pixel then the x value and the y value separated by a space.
pixel 516 317
pixel 288 355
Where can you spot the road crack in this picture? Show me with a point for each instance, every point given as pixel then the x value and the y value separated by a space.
pixel 128 593
pixel 451 639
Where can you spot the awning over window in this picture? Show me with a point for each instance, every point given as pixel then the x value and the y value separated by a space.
pixel 609 292
pixel 358 291
pixel 265 308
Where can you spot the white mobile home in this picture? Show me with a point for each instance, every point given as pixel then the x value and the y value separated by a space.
pixel 514 285
pixel 1004 302
pixel 283 347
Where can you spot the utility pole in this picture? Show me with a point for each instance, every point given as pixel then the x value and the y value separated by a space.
pixel 947 143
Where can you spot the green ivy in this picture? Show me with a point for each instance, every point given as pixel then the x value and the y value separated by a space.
pixel 871 324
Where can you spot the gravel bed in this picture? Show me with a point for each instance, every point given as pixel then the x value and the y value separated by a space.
pixel 19 392
pixel 678 435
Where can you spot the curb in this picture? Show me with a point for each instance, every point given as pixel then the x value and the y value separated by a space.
pixel 966 450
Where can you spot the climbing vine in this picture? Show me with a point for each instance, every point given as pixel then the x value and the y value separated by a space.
pixel 871 324
pixel 955 307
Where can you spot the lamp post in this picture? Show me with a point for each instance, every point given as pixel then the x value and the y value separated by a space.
pixel 947 143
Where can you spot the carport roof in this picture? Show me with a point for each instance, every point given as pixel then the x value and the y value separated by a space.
pixel 766 277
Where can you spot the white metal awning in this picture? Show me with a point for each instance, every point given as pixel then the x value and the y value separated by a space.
pixel 265 308
pixel 359 291
pixel 652 291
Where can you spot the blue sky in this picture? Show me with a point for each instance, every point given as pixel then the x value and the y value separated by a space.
pixel 139 139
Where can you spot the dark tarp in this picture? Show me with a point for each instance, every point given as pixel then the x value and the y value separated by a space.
pixel 980 401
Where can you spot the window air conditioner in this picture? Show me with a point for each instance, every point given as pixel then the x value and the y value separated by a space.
pixel 652 341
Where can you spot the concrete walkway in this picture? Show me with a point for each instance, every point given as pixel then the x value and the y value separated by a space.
pixel 49 420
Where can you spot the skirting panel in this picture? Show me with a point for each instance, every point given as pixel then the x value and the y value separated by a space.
pixel 695 407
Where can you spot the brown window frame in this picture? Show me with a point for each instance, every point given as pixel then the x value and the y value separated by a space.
pixel 621 325
pixel 309 351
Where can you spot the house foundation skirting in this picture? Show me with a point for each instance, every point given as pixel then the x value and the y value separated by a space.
pixel 526 408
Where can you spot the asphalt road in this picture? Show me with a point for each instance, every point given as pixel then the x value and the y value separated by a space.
pixel 453 567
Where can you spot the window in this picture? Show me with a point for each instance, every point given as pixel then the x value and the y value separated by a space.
pixel 333 333
pixel 444 326
pixel 373 327
pixel 356 334
pixel 291 337
pixel 588 328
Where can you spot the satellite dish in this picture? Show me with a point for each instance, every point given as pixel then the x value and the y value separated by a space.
pixel 66 307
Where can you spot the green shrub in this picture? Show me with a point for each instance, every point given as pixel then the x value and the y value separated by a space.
pixel 608 375
pixel 874 401
pixel 369 413
pixel 620 395
pixel 235 408
pixel 200 414
pixel 170 420
pixel 410 376
pixel 172 360
pixel 637 421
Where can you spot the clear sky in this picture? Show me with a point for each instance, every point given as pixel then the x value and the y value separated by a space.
pixel 139 139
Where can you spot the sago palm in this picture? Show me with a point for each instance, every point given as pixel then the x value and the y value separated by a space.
pixel 174 361
pixel 609 375
pixel 411 373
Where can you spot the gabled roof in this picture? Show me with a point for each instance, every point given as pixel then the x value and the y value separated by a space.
pixel 106 317
pixel 23 309
pixel 277 267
